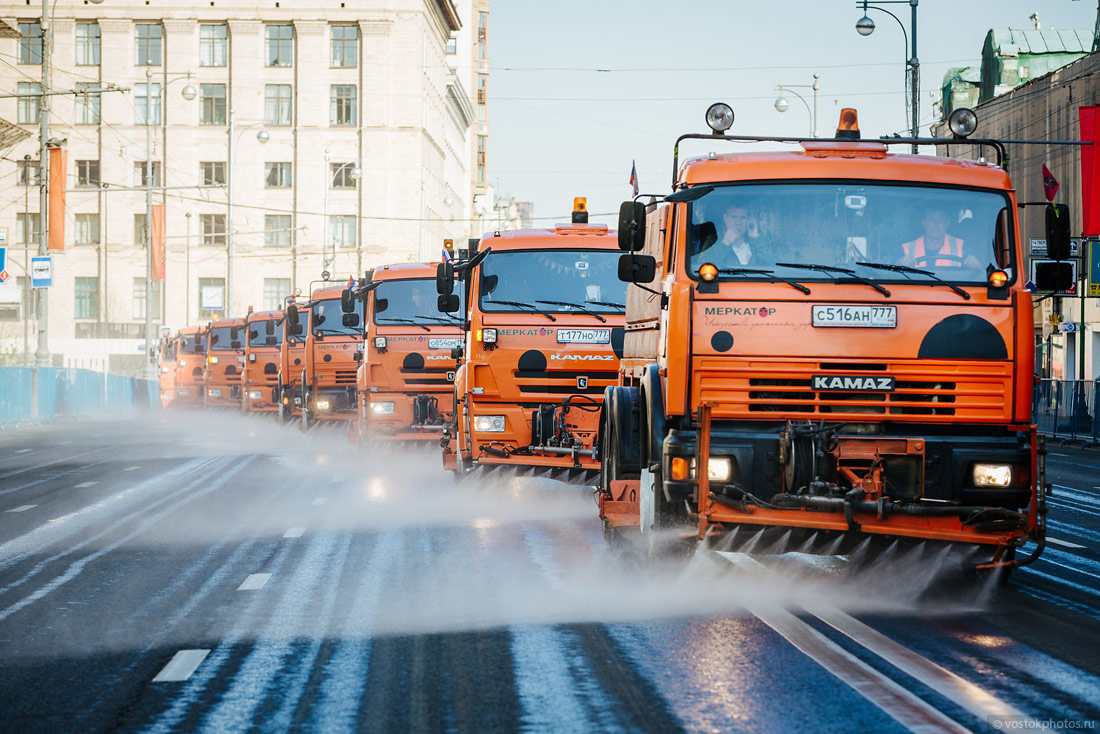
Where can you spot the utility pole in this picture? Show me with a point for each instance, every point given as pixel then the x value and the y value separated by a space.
pixel 148 372
pixel 42 354
pixel 229 221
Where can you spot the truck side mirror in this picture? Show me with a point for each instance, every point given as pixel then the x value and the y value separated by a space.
pixel 269 327
pixel 447 303
pixel 347 301
pixel 631 226
pixel 294 329
pixel 445 279
pixel 292 315
pixel 637 268
pixel 351 320
pixel 1057 231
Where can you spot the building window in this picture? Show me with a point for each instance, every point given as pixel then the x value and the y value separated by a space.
pixel 275 290
pixel 212 173
pixel 341 175
pixel 345 45
pixel 482 89
pixel 87 173
pixel 277 104
pixel 139 299
pixel 213 230
pixel 11 310
pixel 147 104
pixel 452 46
pixel 28 104
pixel 86 298
pixel 87 44
pixel 87 104
pixel 86 231
pixel 482 34
pixel 23 234
pixel 139 229
pixel 342 230
pixel 149 37
pixel 213 45
pixel 30 43
pixel 278 176
pixel 139 174
pixel 211 297
pixel 212 104
pixel 276 230
pixel 343 104
pixel 280 45
pixel 481 159
pixel 30 173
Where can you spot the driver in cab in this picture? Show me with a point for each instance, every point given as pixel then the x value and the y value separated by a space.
pixel 935 241
pixel 735 248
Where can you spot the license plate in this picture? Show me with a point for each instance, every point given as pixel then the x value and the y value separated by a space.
pixel 445 343
pixel 584 336
pixel 215 393
pixel 867 317
pixel 184 391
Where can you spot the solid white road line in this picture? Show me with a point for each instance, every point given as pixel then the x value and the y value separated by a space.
pixel 321 501
pixel 181 666
pixel 254 581
pixel 294 533
pixel 82 485
pixel 22 508
pixel 131 468
pixel 24 451
pixel 1064 543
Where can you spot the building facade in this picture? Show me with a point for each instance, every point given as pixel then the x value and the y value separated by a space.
pixel 346 137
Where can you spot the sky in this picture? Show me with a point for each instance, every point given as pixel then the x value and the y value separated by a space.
pixel 579 91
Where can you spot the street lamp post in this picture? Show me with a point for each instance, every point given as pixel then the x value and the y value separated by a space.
pixel 263 136
pixel 865 27
pixel 782 105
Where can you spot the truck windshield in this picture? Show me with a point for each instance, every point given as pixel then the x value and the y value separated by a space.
pixel 555 281
pixel 258 335
pixel 952 232
pixel 168 350
pixel 328 318
pixel 412 301
pixel 226 339
pixel 193 344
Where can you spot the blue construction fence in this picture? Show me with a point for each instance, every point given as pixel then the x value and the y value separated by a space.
pixel 1068 410
pixel 63 392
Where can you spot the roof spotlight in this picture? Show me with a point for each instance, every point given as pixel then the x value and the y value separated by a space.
pixel 962 122
pixel 719 117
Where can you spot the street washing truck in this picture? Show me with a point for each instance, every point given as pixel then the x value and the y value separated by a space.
pixel 225 340
pixel 260 377
pixel 544 319
pixel 191 366
pixel 833 339
pixel 407 372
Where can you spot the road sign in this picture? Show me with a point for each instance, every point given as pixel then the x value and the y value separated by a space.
pixel 41 272
pixel 3 235
pixel 1094 268
pixel 1039 247
pixel 1069 327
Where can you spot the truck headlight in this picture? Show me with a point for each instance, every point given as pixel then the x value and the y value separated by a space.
pixel 166 396
pixel 164 370
pixel 322 405
pixel 992 475
pixel 719 468
pixel 381 408
pixel 255 395
pixel 379 342
pixel 213 360
pixel 489 423
pixel 487 336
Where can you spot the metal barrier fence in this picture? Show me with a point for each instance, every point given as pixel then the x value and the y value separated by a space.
pixel 1069 410
pixel 54 392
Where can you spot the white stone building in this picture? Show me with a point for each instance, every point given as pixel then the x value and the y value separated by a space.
pixel 369 119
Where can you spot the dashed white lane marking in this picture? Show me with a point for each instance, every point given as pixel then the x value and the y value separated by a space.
pixel 82 485
pixel 22 508
pixel 254 581
pixel 24 451
pixel 131 468
pixel 294 533
pixel 181 666
pixel 1064 543
pixel 321 501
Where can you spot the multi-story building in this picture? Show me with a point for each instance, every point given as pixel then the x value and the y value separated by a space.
pixel 346 136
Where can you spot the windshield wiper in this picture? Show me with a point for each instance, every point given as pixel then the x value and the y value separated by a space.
pixel 447 320
pixel 340 332
pixel 402 321
pixel 834 269
pixel 608 303
pixel 762 271
pixel 907 269
pixel 574 305
pixel 526 305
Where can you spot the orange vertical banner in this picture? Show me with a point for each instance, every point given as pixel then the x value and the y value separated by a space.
pixel 58 164
pixel 158 242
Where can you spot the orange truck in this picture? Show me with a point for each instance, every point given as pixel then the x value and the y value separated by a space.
pixel 190 366
pixel 407 373
pixel 835 340
pixel 225 339
pixel 260 376
pixel 544 320
pixel 332 348
pixel 166 378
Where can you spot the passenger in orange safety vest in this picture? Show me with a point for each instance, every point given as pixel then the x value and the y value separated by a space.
pixel 935 234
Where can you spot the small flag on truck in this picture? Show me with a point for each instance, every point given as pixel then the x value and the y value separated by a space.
pixel 634 177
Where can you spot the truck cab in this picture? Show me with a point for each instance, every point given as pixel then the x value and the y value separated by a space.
pixel 545 318
pixel 225 339
pixel 407 374
pixel 332 351
pixel 190 366
pixel 260 376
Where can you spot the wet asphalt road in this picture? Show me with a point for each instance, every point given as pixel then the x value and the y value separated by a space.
pixel 216 573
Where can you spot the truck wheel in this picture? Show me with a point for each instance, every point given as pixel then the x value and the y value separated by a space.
pixel 611 462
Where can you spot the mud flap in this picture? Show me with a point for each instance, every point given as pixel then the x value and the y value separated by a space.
pixel 647 504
